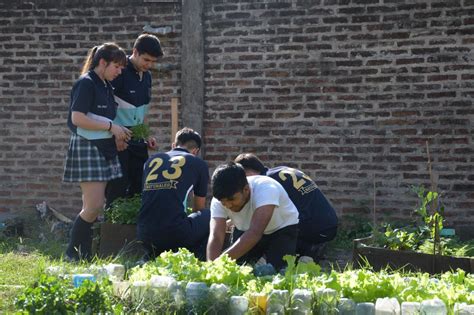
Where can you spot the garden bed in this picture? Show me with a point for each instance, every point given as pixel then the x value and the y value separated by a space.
pixel 178 283
pixel 112 239
pixel 379 258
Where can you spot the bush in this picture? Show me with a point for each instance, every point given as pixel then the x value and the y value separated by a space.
pixel 54 295
pixel 124 210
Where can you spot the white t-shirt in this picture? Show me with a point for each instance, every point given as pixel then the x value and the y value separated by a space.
pixel 263 191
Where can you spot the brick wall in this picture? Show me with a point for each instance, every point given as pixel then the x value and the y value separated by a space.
pixel 348 91
pixel 42 47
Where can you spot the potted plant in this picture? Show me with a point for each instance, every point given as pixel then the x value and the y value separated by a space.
pixel 118 231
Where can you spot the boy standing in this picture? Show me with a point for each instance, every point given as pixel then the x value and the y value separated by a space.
pixel 132 91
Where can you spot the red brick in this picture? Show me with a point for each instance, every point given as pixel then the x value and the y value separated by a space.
pixel 341 89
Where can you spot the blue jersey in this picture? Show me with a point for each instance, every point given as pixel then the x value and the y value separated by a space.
pixel 133 95
pixel 307 197
pixel 94 97
pixel 168 178
pixel 91 95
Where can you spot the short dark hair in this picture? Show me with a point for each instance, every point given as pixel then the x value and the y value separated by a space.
pixel 148 44
pixel 189 138
pixel 251 161
pixel 227 180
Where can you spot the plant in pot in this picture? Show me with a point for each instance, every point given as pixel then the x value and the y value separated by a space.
pixel 118 231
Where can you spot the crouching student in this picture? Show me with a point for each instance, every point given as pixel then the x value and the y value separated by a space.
pixel 169 177
pixel 260 208
pixel 317 217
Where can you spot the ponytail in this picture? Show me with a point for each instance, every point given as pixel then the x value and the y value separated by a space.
pixel 88 62
pixel 110 52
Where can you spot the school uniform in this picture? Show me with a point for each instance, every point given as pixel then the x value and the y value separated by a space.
pixel 279 236
pixel 317 217
pixel 132 94
pixel 162 220
pixel 92 154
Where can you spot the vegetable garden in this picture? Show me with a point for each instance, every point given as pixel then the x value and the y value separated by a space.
pixel 178 283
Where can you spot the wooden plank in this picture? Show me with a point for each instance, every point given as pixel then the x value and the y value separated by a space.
pixel 174 118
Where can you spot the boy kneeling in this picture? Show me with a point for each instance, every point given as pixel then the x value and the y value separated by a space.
pixel 260 208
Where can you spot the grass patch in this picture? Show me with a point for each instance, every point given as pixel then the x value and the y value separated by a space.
pixel 22 260
pixel 16 271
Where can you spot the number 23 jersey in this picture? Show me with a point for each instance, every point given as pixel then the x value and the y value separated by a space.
pixel 167 180
pixel 306 195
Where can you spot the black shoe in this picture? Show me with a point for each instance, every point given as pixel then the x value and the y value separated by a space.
pixel 317 251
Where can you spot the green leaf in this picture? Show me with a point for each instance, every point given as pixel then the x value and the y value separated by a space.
pixel 140 132
pixel 124 210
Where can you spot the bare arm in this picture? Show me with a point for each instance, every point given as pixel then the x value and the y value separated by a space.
pixel 216 238
pixel 198 203
pixel 81 120
pixel 250 238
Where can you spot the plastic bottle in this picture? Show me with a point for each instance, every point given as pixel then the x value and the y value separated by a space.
pixel 196 292
pixel 463 309
pixel 161 286
pixel 277 302
pixel 410 308
pixel 116 272
pixel 433 307
pixel 219 291
pixel 121 289
pixel 55 270
pixel 259 300
pixel 140 291
pixel 301 300
pixel 327 301
pixel 178 291
pixel 79 278
pixel 161 282
pixel 219 294
pixel 98 271
pixel 346 307
pixel 238 305
pixel 366 308
pixel 387 306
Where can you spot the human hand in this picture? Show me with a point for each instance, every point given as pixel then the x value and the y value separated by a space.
pixel 152 143
pixel 229 226
pixel 121 145
pixel 121 133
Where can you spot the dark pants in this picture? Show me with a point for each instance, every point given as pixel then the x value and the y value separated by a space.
pixel 131 160
pixel 192 234
pixel 310 235
pixel 272 246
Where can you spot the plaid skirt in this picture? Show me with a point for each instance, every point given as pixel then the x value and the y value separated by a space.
pixel 84 163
